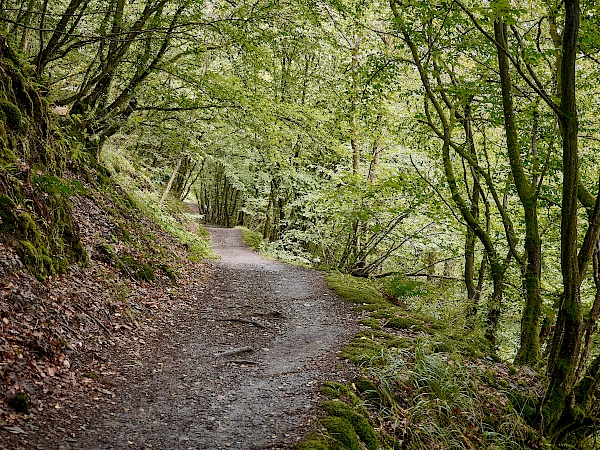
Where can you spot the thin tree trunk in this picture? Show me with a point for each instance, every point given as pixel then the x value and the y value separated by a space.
pixel 529 349
pixel 562 364
pixel 170 183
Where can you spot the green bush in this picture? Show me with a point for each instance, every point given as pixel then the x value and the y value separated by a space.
pixel 399 286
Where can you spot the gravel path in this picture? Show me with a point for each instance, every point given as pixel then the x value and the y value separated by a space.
pixel 242 371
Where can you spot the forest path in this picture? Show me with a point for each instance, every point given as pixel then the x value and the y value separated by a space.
pixel 243 371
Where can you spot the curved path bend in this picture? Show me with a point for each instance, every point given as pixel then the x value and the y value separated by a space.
pixel 243 371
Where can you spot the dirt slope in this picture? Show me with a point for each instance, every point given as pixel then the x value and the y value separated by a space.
pixel 241 370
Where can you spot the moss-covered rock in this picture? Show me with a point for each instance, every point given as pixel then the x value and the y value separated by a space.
pixel 342 433
pixel 12 115
pixel 363 350
pixel 314 442
pixel 360 423
pixel 371 322
pixel 355 290
pixel 405 322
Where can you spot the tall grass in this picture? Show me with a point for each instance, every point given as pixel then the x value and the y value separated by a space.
pixel 433 401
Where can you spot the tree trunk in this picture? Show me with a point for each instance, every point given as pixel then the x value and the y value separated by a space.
pixel 562 364
pixel 170 183
pixel 494 305
pixel 529 349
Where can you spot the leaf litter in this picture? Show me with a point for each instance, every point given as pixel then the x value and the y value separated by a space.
pixel 108 361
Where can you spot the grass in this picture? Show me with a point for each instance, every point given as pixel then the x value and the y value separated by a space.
pixel 173 218
pixel 421 384
pixel 253 239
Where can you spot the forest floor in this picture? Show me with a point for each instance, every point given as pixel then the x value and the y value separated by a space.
pixel 235 361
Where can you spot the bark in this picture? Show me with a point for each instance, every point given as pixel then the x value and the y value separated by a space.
pixel 566 344
pixel 170 183
pixel 494 305
pixel 529 349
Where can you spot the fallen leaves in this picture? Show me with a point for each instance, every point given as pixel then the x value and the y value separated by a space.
pixel 53 335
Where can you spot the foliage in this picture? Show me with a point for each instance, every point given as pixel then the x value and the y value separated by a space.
pixel 134 183
pixel 251 238
pixel 416 386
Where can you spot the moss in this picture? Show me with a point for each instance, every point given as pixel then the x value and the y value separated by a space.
pixel 342 432
pixel 12 115
pixel 8 222
pixel 371 323
pixel 382 314
pixel 32 258
pixel 169 271
pixel 335 390
pixel 52 184
pixel 403 323
pixel 127 264
pixel 28 226
pixel 354 289
pixel 368 390
pixel 20 403
pixel 7 156
pixel 363 350
pixel 314 442
pixel 374 307
pixel 361 425
pixel 138 269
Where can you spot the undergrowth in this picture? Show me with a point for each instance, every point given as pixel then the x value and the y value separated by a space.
pixel 35 210
pixel 253 239
pixel 426 381
pixel 174 218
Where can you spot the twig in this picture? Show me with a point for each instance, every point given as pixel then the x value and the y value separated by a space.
pixel 93 318
pixel 235 351
pixel 251 322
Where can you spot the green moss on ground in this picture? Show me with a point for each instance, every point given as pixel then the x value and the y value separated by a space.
pixel 371 323
pixel 342 433
pixel 361 425
pixel 128 264
pixel 314 442
pixel 253 239
pixel 407 323
pixel 356 290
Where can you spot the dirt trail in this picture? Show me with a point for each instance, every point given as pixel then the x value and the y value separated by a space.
pixel 192 391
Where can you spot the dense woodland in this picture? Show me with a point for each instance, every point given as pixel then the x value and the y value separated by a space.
pixel 448 141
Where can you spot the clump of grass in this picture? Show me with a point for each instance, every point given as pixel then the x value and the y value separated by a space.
pixel 443 405
pixel 253 239
pixel 400 286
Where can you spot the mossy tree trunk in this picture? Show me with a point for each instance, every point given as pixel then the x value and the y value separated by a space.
pixel 570 404
pixel 529 349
